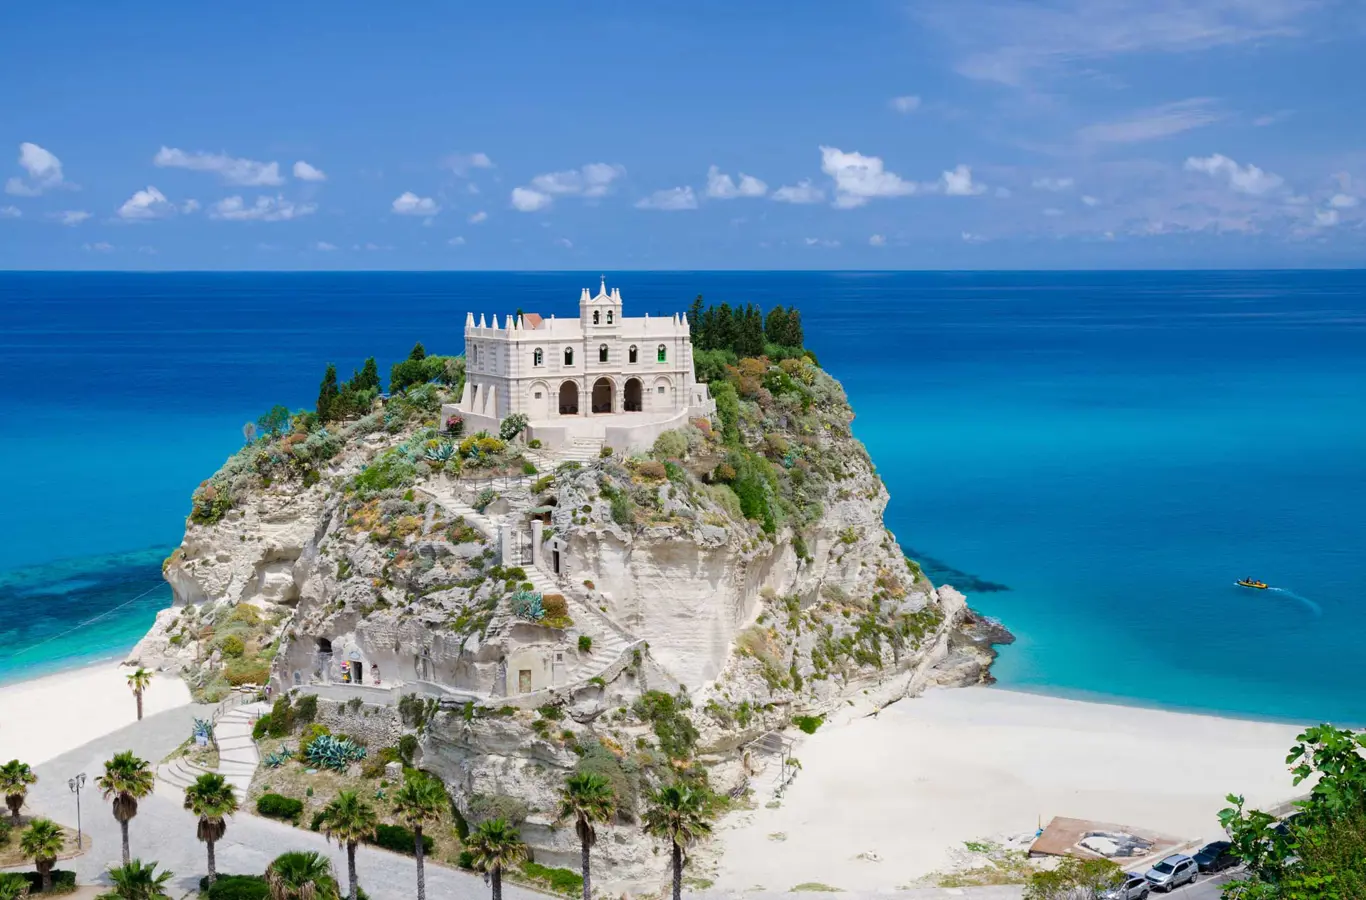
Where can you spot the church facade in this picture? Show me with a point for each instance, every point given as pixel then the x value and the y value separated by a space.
pixel 601 377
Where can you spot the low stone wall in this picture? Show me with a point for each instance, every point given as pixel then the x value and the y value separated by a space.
pixel 375 726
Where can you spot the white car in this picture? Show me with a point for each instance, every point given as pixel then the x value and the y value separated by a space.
pixel 1134 887
pixel 1173 872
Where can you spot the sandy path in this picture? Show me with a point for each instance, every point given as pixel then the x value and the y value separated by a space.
pixel 46 717
pixel 958 765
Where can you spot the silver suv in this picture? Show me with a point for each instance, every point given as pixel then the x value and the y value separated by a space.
pixel 1172 872
pixel 1134 887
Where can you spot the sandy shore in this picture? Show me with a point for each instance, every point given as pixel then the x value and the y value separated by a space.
pixel 45 717
pixel 959 765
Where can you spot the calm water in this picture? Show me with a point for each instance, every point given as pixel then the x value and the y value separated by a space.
pixel 1113 448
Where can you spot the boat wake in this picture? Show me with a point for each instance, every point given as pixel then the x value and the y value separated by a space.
pixel 1318 610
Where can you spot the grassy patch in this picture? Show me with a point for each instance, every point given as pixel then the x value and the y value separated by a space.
pixel 817 886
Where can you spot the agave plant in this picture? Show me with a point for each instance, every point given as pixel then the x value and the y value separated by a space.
pixel 528 605
pixel 278 758
pixel 439 451
pixel 331 752
pixel 202 728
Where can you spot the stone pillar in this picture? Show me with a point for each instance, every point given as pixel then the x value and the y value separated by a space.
pixel 507 543
pixel 537 531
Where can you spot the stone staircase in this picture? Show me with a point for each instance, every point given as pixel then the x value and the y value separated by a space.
pixel 582 450
pixel 608 640
pixel 237 754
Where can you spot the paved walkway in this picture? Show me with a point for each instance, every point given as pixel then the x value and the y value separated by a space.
pixel 164 832
pixel 237 754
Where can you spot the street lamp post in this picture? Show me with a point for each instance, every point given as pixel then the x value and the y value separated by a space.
pixel 76 784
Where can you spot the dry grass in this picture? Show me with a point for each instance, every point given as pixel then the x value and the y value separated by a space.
pixel 10 854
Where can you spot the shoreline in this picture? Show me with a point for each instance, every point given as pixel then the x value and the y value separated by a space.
pixel 43 717
pixel 888 802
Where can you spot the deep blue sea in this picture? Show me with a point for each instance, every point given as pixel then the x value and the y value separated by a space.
pixel 1093 457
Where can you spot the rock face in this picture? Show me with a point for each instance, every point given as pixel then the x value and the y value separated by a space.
pixel 686 601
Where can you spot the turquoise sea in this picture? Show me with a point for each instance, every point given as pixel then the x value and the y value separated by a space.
pixel 1093 457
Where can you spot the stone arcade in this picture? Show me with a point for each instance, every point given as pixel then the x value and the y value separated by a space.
pixel 603 377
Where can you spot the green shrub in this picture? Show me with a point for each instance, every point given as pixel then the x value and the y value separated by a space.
pixel 808 724
pixel 235 887
pixel 512 426
pixel 562 881
pixel 671 445
pixel 534 443
pixel 306 709
pixel 407 746
pixel 310 734
pixel 232 645
pixel 484 807
pixel 400 840
pixel 276 806
pixel 63 882
pixel 317 823
pixel 5 830
pixel 585 643
pixel 247 671
pixel 676 733
pixel 541 484
pixel 622 774
pixel 281 718
pixel 529 468
pixel 465 860
pixel 261 730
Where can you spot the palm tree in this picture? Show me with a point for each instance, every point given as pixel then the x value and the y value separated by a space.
pixel 126 780
pixel 212 799
pixel 587 798
pixel 495 845
pixel 301 876
pixel 13 886
pixel 350 820
pixel 420 801
pixel 139 681
pixel 677 813
pixel 41 842
pixel 15 777
pixel 135 881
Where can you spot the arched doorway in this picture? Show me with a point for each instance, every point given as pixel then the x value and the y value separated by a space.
pixel 602 395
pixel 632 395
pixel 569 399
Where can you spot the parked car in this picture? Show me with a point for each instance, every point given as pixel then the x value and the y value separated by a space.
pixel 1135 887
pixel 1216 857
pixel 1172 872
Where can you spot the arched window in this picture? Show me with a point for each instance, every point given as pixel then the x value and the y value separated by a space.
pixel 633 353
pixel 537 357
pixel 609 317
pixel 602 353
pixel 569 356
pixel 661 354
pixel 476 354
pixel 595 317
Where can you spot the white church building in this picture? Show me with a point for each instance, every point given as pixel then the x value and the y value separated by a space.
pixel 601 377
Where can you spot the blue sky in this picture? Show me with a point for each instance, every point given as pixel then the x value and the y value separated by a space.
pixel 617 135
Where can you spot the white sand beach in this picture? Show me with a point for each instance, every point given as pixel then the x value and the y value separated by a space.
pixel 958 765
pixel 45 717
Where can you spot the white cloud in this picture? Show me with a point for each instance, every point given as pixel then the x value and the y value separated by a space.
pixel 71 216
pixel 591 180
pixel 145 205
pixel 566 243
pixel 1343 201
pixel 244 172
pixel 478 217
pixel 972 238
pixel 1272 118
pixel 10 212
pixel 265 209
pixel 1053 184
pixel 877 240
pixel 905 104
pixel 410 204
pixel 819 242
pixel 324 246
pixel 859 178
pixel 460 163
pixel 98 247
pixel 189 206
pixel 304 172
pixel 1011 43
pixel 1089 200
pixel 1326 218
pixel 801 192
pixel 669 200
pixel 1151 124
pixel 1244 179
pixel 720 186
pixel 44 171
pixel 527 200
pixel 959 183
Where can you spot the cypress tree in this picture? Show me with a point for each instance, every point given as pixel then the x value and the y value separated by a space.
pixel 419 352
pixel 695 314
pixel 794 335
pixel 327 393
pixel 369 376
pixel 775 325
pixel 723 329
pixel 751 340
